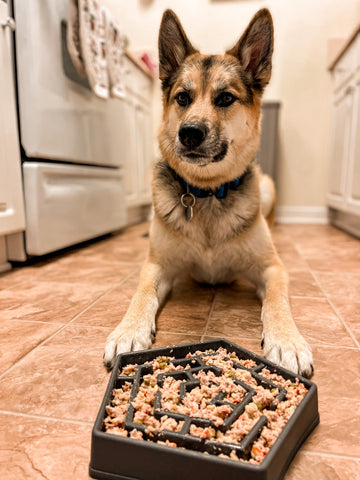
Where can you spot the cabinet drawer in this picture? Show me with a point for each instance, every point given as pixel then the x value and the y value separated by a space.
pixel 347 65
pixel 67 204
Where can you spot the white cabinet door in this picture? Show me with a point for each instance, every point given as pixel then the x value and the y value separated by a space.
pixel 353 181
pixel 342 122
pixel 148 156
pixel 144 153
pixel 11 197
pixel 138 154
pixel 131 154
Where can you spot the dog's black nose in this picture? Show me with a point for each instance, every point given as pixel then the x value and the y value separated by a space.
pixel 192 134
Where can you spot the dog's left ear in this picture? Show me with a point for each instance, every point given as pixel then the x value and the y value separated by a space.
pixel 255 47
pixel 174 46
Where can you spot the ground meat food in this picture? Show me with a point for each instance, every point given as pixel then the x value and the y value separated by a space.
pixel 219 383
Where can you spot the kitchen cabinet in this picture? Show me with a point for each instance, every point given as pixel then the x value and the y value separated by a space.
pixel 12 217
pixel 138 141
pixel 344 178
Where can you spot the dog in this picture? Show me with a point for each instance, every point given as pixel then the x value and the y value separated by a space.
pixel 208 204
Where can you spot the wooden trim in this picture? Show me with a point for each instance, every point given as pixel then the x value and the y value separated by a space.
pixel 344 48
pixel 139 64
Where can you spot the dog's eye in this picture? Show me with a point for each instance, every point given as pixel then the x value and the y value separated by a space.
pixel 225 99
pixel 183 99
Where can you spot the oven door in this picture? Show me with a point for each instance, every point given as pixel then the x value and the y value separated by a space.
pixel 60 119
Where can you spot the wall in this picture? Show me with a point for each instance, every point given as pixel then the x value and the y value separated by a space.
pixel 300 79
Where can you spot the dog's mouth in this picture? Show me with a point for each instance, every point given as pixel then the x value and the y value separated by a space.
pixel 222 154
pixel 203 159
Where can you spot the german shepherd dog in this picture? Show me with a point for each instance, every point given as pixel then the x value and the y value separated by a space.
pixel 208 220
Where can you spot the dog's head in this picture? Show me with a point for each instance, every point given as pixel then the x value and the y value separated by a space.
pixel 212 103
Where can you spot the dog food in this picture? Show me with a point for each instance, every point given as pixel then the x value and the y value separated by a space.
pixel 211 400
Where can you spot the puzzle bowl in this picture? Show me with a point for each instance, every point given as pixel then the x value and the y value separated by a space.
pixel 200 411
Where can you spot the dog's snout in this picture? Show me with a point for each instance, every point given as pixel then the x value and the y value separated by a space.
pixel 192 134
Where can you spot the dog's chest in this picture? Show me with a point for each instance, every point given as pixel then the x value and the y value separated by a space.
pixel 212 222
pixel 213 265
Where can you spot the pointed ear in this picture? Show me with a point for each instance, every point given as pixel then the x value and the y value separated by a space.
pixel 255 47
pixel 174 45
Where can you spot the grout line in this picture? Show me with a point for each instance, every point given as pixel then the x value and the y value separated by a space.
pixel 36 322
pixel 187 334
pixel 309 297
pixel 332 455
pixel 43 417
pixel 348 330
pixel 69 323
pixel 15 285
pixel 209 316
pixel 345 324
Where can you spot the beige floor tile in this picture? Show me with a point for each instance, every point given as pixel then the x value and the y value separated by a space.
pixel 291 258
pixel 58 381
pixel 170 339
pixel 323 467
pixel 186 310
pixel 350 313
pixel 87 272
pixel 318 323
pixel 344 285
pixel 338 432
pixel 16 277
pixel 38 449
pixel 17 338
pixel 56 302
pixel 337 373
pixel 303 284
pixel 80 338
pixel 236 312
pixel 111 308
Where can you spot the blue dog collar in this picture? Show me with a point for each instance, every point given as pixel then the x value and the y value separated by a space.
pixel 219 192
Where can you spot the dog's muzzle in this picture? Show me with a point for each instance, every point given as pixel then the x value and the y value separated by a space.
pixel 192 134
pixel 195 145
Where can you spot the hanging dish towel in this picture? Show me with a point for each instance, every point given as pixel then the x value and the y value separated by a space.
pixel 116 43
pixel 73 38
pixel 86 43
pixel 92 37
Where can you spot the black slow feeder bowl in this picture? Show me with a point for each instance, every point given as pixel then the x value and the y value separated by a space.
pixel 115 457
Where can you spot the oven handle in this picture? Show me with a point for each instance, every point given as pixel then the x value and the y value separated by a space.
pixel 9 22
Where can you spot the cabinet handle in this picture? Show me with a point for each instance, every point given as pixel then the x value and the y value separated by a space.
pixel 10 23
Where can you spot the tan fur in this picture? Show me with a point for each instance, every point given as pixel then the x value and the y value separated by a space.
pixel 227 238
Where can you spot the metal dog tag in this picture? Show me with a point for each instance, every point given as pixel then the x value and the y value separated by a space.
pixel 188 201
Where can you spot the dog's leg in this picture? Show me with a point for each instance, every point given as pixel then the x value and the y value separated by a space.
pixel 281 340
pixel 137 329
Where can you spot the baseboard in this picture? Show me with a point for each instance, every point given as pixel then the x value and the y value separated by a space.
pixel 4 264
pixel 314 215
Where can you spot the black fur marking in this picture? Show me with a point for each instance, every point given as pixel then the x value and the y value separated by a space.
pixel 206 66
pixel 220 156
pixel 167 215
pixel 244 224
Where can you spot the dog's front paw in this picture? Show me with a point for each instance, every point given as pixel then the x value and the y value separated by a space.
pixel 127 339
pixel 293 354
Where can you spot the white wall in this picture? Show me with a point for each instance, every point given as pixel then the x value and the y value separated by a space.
pixel 300 79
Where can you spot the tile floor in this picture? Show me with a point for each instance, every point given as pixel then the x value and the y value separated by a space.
pixel 55 317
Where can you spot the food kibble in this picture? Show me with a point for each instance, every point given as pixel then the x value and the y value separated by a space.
pixel 222 404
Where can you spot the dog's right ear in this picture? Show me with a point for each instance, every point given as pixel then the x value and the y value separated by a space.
pixel 174 46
